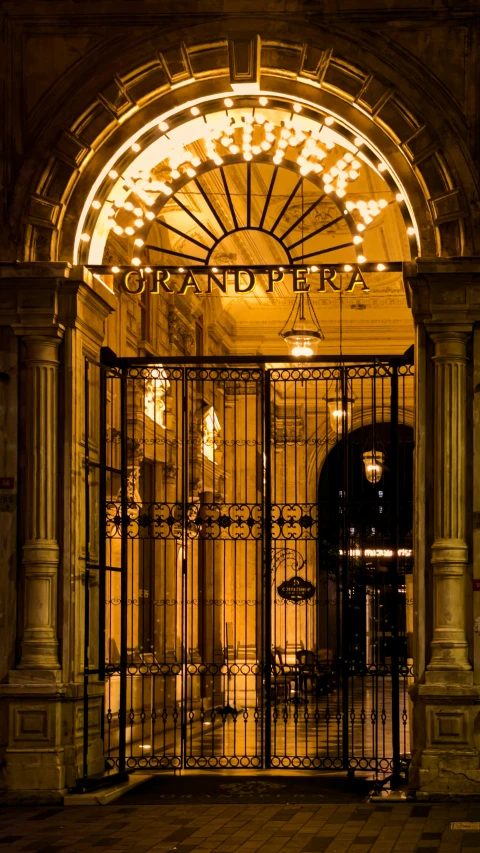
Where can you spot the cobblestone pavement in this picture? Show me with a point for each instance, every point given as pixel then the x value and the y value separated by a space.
pixel 356 828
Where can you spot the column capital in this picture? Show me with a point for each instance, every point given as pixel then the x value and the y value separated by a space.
pixel 42 297
pixel 444 291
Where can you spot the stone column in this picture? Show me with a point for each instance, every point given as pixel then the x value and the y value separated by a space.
pixel 449 647
pixel 48 305
pixel 445 759
pixel 40 552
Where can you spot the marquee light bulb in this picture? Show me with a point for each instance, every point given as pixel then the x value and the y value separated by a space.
pixel 340 192
pixel 410 231
pixel 115 269
pixel 225 140
pixel 85 238
pixel 148 269
pixel 353 174
pixel 96 204
pixel 247 155
pixel 136 262
pixel 297 108
pixel 328 188
pixel 263 102
pixel 400 197
pixel 136 147
pixel 118 229
pixel 347 268
pixel 195 111
pixel 181 269
pixel 163 126
pixel 191 172
pixel 113 173
pixel 381 167
pixel 381 267
pixel 150 214
pixel 350 205
pixel 234 149
pixel 138 211
pixel 329 121
pixel 358 141
pixel 360 226
pixel 257 149
pixel 128 205
pixel 361 259
pixel 228 102
pixel 138 223
pixel 138 241
pixel 129 230
pixel 357 239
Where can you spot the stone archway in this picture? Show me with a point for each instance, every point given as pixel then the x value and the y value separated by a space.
pixel 101 103
pixel 363 90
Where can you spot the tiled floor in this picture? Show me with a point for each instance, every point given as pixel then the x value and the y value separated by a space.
pixel 364 828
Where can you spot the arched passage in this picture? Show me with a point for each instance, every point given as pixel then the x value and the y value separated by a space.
pixel 94 119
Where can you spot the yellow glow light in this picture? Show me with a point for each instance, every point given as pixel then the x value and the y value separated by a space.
pixel 410 231
pixel 361 259
pixel 85 238
pixel 138 223
pixel 263 102
pixel 195 111
pixel 163 126
pixel 329 121
pixel 136 262
pixel 115 269
pixel 381 267
pixel 96 204
pixel 228 102
pixel 298 109
pixel 113 173
pixel 136 147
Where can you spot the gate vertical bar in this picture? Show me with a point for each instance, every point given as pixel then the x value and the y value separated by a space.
pixel 267 516
pixel 184 632
pixel 395 660
pixel 123 573
pixel 102 550
pixel 87 571
pixel 345 579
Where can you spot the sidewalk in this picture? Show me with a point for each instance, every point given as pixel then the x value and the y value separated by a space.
pixel 364 828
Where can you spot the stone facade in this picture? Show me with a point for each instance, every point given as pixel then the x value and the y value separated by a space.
pixel 81 80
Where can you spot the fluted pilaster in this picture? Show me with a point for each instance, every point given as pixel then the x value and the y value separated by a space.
pixel 40 552
pixel 449 550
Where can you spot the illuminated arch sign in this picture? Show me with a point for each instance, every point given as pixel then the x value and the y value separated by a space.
pixel 204 281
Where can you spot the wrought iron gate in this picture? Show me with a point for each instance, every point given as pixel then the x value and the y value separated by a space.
pixel 249 536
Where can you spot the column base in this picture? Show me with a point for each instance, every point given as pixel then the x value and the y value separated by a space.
pixel 44 756
pixel 446 760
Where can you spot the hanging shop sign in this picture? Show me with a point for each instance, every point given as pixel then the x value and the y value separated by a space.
pixel 296 589
pixel 205 281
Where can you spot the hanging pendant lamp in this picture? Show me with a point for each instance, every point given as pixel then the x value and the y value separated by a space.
pixel 302 332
